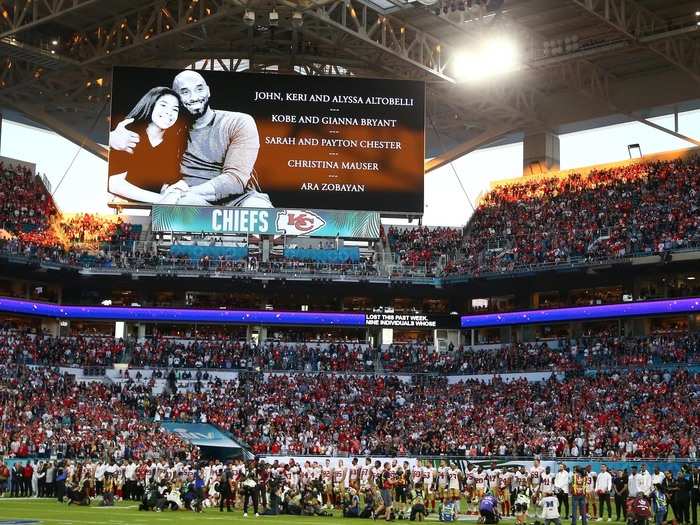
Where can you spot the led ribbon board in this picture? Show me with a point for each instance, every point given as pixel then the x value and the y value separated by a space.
pixel 180 315
pixel 584 313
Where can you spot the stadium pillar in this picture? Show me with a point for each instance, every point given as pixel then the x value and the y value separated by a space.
pixel 50 326
pixel 693 324
pixel 386 336
pixel 540 152
pixel 266 248
pixel 529 333
pixel 443 338
pixel 505 334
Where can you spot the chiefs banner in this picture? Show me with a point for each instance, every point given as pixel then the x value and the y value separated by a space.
pixel 266 221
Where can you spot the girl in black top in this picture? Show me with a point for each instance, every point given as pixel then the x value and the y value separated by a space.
pixel 161 123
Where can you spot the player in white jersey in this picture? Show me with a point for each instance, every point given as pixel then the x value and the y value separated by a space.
pixel 521 479
pixel 443 476
pixel 504 482
pixel 366 478
pixel 454 485
pixel 429 484
pixel 469 488
pixel 492 475
pixel 417 474
pixel 547 482
pixel 340 474
pixel 376 472
pixel 354 475
pixel 480 483
pixel 294 474
pixel 591 496
pixel 307 473
pixel 535 478
pixel 317 472
pixel 327 479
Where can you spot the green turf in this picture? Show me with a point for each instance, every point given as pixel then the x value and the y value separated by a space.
pixel 50 512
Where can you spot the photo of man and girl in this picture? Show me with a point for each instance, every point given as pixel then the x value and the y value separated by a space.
pixel 174 148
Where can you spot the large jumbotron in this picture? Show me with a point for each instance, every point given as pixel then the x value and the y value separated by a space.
pixel 251 305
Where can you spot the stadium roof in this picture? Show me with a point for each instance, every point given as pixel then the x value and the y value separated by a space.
pixel 584 62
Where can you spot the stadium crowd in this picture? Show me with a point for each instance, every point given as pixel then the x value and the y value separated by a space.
pixel 25 204
pixel 615 415
pixel 338 357
pixel 86 229
pixel 44 412
pixel 223 352
pixel 641 208
pixel 422 246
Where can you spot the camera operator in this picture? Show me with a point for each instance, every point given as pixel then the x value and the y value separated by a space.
pixel 291 504
pixel 351 504
pixel 250 488
pixel 275 485
pixel 311 505
pixel 150 497
pixel 416 498
pixel 370 499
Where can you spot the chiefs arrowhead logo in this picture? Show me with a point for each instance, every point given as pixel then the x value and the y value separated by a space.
pixel 298 222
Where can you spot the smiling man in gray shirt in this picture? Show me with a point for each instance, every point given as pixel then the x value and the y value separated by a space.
pixel 217 167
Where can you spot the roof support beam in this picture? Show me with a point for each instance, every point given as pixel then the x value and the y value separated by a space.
pixel 154 21
pixel 25 14
pixel 642 26
pixel 40 116
pixel 666 130
pixel 485 137
pixel 397 38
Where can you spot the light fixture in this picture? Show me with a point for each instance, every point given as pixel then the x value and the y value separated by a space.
pixel 274 18
pixel 54 42
pixel 496 56
pixel 691 277
pixel 249 18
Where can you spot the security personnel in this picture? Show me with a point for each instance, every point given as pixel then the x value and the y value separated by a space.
pixel 685 487
pixel 225 489
pixel 695 494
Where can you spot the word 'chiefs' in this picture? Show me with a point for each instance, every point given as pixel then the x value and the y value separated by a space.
pixel 239 220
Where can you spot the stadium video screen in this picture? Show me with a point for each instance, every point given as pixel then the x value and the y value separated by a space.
pixel 205 138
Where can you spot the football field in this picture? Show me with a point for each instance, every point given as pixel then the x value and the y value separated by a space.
pixel 25 511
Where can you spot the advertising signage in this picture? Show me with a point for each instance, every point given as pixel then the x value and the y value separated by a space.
pixel 266 221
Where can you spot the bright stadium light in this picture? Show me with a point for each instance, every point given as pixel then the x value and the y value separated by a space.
pixel 502 54
pixel 494 57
